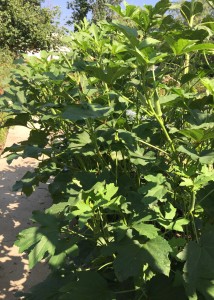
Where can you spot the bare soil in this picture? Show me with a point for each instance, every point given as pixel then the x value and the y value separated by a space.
pixel 15 213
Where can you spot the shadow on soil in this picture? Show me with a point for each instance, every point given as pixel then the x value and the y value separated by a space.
pixel 15 213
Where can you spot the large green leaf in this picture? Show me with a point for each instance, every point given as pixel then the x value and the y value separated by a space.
pixel 140 158
pixel 132 256
pixel 27 184
pixel 195 134
pixel 28 238
pixel 109 74
pixel 20 119
pixel 155 189
pixel 78 112
pixel 38 252
pixel 192 8
pixel 161 7
pixel 180 45
pixel 147 230
pixel 204 46
pixel 129 32
pixel 90 286
pixel 209 84
pixel 190 152
pixel 199 267
pixel 169 99
pixel 198 133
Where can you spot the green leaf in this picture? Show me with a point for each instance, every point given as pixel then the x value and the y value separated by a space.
pixel 133 255
pixel 20 119
pixel 159 178
pixel 207 157
pixel 147 230
pixel 161 7
pixel 32 151
pixel 38 137
pixel 129 261
pixel 158 250
pixel 64 248
pixel 130 33
pixel 209 84
pixel 169 99
pixel 139 158
pixel 90 286
pixel 148 42
pixel 204 46
pixel 78 112
pixel 111 190
pixel 199 267
pixel 176 244
pixel 155 189
pixel 157 192
pixel 57 260
pixel 204 178
pixel 195 134
pixel 38 252
pixel 57 208
pixel 109 74
pixel 190 152
pixel 189 9
pixel 27 184
pixel 179 46
pixel 205 129
pixel 28 238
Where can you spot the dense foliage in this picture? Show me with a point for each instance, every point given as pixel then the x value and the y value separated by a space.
pixel 25 26
pixel 123 130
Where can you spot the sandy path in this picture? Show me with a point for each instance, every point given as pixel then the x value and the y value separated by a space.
pixel 15 211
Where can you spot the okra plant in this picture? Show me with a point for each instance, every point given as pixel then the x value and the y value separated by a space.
pixel 123 131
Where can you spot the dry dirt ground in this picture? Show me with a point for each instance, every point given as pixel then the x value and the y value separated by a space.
pixel 15 212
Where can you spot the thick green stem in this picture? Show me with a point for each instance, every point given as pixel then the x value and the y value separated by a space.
pixel 187 55
pixel 161 122
pixel 192 208
pixel 192 205
pixel 157 105
pixel 186 63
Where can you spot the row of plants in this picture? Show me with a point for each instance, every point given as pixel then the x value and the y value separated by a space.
pixel 122 128
pixel 6 65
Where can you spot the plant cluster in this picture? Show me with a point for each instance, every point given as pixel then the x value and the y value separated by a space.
pixel 123 130
pixel 25 26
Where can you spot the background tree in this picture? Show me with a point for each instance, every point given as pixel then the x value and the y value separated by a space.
pixel 34 2
pixel 80 9
pixel 25 26
pixel 98 9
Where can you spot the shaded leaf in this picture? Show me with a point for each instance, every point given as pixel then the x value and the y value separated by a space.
pixel 78 112
pixel 199 267
pixel 90 286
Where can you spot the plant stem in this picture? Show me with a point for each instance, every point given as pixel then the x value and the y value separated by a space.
pixel 152 146
pixel 206 196
pixel 160 120
pixel 94 141
pixel 192 208
pixel 116 170
pixel 156 97
pixel 187 55
pixel 127 291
